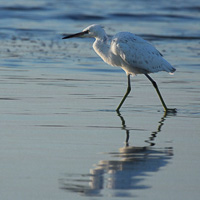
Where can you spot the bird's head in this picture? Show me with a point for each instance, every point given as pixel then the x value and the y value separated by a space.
pixel 95 31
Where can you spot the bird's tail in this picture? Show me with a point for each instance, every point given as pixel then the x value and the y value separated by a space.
pixel 169 68
pixel 172 72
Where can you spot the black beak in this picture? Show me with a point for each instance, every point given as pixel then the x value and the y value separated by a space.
pixel 75 35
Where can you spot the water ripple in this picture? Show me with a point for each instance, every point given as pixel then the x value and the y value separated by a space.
pixel 80 17
pixel 22 8
pixel 154 17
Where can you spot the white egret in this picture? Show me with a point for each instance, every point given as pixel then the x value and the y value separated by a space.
pixel 130 52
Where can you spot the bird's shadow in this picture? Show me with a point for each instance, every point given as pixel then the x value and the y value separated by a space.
pixel 126 169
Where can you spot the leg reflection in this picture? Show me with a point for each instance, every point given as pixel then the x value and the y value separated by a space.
pixel 124 127
pixel 126 169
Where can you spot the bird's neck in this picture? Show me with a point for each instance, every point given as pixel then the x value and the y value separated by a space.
pixel 102 47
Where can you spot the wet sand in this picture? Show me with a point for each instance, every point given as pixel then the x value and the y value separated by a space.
pixel 60 135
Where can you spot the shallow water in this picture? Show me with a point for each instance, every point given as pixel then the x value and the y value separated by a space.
pixel 60 135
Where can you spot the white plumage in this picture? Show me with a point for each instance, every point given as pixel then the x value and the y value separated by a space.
pixel 138 56
pixel 130 52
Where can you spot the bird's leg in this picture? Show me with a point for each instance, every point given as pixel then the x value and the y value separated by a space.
pixel 159 94
pixel 157 90
pixel 126 94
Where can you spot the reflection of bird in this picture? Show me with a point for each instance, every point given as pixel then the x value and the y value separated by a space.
pixel 130 52
pixel 154 133
pixel 126 169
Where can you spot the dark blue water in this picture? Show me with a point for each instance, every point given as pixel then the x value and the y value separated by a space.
pixel 60 135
